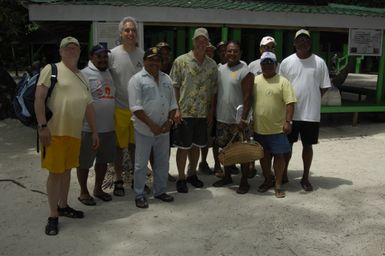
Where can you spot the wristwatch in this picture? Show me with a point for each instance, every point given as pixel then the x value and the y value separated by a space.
pixel 290 122
pixel 41 126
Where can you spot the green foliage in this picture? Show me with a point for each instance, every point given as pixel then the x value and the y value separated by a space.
pixel 14 29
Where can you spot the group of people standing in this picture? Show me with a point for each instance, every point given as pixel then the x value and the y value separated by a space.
pixel 130 98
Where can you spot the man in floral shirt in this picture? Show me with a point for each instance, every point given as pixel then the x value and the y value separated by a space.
pixel 194 76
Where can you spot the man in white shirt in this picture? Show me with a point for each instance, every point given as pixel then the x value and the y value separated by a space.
pixel 309 76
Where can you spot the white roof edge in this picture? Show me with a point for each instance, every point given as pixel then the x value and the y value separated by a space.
pixel 45 12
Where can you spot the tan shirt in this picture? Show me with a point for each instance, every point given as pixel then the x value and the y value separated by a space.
pixel 68 101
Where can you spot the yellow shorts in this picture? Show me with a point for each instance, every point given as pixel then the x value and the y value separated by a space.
pixel 61 154
pixel 124 128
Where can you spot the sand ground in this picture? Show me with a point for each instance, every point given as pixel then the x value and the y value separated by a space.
pixel 344 215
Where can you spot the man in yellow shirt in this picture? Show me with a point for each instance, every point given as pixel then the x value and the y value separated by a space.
pixel 273 114
pixel 60 136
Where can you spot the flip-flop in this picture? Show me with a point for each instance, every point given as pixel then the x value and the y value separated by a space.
pixel 306 186
pixel 90 201
pixel 104 197
pixel 279 193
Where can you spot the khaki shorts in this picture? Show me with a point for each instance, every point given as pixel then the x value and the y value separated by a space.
pixel 124 128
pixel 61 154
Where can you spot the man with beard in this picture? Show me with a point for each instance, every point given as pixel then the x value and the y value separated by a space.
pixel 103 94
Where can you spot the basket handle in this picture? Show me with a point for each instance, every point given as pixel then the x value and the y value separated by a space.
pixel 236 132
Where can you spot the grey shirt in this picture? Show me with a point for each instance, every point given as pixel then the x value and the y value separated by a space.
pixel 123 66
pixel 230 91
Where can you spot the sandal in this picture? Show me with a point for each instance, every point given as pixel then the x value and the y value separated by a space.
pixel 51 229
pixel 279 193
pixel 70 212
pixel 104 197
pixel 306 186
pixel 265 187
pixel 118 188
pixel 90 201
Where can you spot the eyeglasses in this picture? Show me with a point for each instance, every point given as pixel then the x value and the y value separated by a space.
pixel 267 47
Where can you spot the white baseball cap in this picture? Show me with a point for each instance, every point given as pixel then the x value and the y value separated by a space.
pixel 266 40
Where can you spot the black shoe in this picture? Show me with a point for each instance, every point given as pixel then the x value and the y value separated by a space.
pixel 223 182
pixel 205 168
pixel 70 212
pixel 181 186
pixel 165 197
pixel 119 188
pixel 141 202
pixel 51 229
pixel 193 180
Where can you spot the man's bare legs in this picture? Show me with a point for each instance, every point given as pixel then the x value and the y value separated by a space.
pixel 307 158
pixel 266 170
pixel 279 166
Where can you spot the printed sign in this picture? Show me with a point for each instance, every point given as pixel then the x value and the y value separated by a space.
pixel 367 42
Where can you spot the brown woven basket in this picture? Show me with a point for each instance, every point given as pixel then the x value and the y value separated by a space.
pixel 240 152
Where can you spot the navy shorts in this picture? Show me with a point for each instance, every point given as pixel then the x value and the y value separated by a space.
pixel 308 131
pixel 190 132
pixel 274 143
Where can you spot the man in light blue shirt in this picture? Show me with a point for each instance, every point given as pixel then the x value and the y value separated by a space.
pixel 152 101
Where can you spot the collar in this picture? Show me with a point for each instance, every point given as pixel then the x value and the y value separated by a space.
pixel 92 66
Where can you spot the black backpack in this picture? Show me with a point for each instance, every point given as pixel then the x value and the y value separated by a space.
pixel 23 103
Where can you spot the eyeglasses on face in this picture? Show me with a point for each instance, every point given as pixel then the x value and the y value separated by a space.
pixel 268 47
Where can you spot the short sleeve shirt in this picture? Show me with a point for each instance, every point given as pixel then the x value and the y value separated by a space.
pixel 196 83
pixel 230 91
pixel 103 95
pixel 123 66
pixel 155 99
pixel 271 97
pixel 68 101
pixel 307 76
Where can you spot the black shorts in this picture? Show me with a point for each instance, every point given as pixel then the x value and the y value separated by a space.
pixel 190 132
pixel 309 132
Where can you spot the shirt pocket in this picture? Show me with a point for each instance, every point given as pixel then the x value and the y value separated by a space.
pixel 149 93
